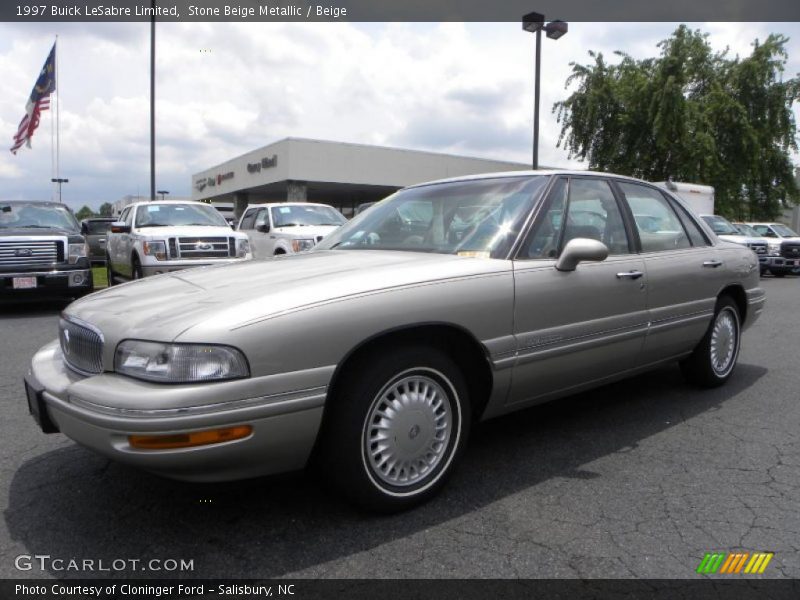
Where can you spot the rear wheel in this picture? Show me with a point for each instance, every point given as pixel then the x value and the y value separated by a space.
pixel 779 273
pixel 396 428
pixel 714 358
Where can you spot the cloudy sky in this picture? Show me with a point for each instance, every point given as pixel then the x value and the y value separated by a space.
pixel 226 88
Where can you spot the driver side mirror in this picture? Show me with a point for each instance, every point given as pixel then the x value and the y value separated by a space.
pixel 581 249
pixel 120 227
pixel 263 228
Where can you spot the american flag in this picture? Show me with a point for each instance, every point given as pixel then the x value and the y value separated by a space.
pixel 39 101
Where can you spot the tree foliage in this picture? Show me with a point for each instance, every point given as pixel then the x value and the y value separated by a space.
pixel 691 114
pixel 106 209
pixel 84 213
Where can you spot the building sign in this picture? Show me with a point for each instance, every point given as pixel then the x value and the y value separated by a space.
pixel 204 182
pixel 266 163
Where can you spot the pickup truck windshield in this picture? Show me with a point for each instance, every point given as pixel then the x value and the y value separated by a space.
pixel 165 215
pixel 23 215
pixel 473 218
pixel 720 225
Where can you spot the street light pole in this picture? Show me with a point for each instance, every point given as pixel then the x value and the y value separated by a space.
pixel 59 181
pixel 533 22
pixel 536 86
pixel 163 193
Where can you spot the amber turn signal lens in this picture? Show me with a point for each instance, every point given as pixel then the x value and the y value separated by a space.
pixel 187 440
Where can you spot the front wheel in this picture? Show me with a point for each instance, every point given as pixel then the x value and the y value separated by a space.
pixel 714 358
pixel 396 428
pixel 109 271
pixel 136 269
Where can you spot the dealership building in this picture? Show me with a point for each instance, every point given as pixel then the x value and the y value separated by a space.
pixel 340 174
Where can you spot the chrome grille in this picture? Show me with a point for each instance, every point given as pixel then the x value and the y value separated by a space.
pixel 758 247
pixel 29 253
pixel 81 346
pixel 790 250
pixel 200 247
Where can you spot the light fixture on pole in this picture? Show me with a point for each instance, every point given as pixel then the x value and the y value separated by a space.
pixel 533 22
pixel 59 181
pixel 163 193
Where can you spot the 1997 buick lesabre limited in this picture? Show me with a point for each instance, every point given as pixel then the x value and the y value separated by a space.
pixel 444 304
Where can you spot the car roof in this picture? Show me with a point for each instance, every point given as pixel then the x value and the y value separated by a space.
pixel 513 174
pixel 271 204
pixel 37 202
pixel 148 202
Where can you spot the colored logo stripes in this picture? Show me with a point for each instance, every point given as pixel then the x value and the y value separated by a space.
pixel 734 562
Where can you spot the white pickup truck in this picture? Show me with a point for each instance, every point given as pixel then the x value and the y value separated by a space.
pixel 151 238
pixel 283 228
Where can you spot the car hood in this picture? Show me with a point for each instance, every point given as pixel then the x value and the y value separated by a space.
pixel 226 297
pixel 37 231
pixel 306 231
pixel 187 231
pixel 741 239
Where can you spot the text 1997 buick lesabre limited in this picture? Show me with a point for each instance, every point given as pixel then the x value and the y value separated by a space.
pixel 446 303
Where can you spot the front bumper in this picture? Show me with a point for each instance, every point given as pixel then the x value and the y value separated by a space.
pixel 62 282
pixel 779 262
pixel 168 266
pixel 284 422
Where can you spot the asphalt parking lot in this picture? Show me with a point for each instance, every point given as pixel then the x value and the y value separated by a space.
pixel 637 479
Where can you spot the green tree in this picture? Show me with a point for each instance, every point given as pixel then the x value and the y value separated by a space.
pixel 691 114
pixel 84 213
pixel 106 209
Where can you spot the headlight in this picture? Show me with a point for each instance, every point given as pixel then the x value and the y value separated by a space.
pixel 242 248
pixel 301 245
pixel 179 363
pixel 157 249
pixel 76 251
pixel 774 248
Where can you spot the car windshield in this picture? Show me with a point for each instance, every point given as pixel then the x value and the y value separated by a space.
pixel 783 230
pixel 163 215
pixel 745 229
pixel 720 225
pixel 36 216
pixel 98 227
pixel 468 218
pixel 298 215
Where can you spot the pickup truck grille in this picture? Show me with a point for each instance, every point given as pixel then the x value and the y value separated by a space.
pixel 39 253
pixel 81 347
pixel 790 249
pixel 201 247
pixel 758 247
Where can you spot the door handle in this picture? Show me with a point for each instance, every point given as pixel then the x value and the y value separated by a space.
pixel 630 275
pixel 712 263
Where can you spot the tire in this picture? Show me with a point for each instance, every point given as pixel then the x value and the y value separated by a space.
pixel 136 269
pixel 426 431
pixel 779 273
pixel 109 271
pixel 714 359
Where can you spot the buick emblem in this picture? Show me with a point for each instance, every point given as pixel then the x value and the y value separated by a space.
pixel 23 252
pixel 203 246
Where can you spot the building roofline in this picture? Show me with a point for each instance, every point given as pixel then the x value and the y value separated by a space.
pixel 356 145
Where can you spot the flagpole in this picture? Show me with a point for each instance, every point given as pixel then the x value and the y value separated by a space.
pixel 58 120
pixel 53 148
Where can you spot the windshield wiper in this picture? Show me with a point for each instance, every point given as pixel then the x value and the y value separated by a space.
pixel 152 225
pixel 289 225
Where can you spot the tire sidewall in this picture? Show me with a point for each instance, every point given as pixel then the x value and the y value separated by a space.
pixel 342 449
